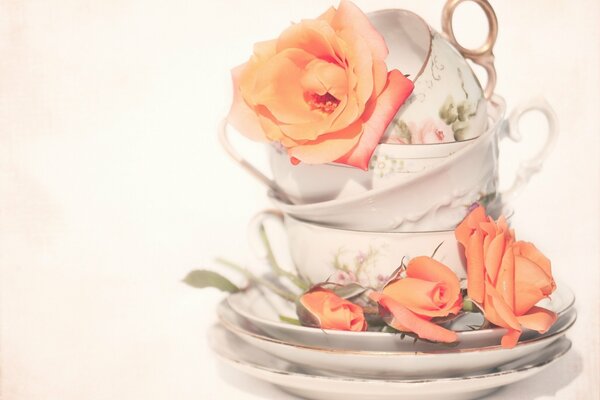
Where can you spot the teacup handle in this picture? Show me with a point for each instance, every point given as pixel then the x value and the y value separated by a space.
pixel 262 248
pixel 251 169
pixel 483 55
pixel 532 166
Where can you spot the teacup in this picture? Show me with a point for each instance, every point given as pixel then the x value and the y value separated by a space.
pixel 390 165
pixel 437 198
pixel 321 253
pixel 447 103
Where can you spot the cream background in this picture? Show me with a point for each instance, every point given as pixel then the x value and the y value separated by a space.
pixel 113 186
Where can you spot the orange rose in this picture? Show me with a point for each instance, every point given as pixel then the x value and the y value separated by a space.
pixel 321 90
pixel 430 289
pixel 322 308
pixel 507 278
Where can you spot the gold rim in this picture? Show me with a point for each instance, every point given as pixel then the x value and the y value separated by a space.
pixel 230 326
pixel 523 368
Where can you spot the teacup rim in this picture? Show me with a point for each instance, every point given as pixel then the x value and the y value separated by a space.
pixel 422 20
pixel 496 100
pixel 509 215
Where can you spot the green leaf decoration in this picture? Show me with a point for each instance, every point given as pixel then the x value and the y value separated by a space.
pixel 288 320
pixel 203 278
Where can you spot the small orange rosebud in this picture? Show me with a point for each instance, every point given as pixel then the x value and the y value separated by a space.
pixel 322 308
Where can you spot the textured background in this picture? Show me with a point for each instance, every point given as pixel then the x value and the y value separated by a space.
pixel 113 185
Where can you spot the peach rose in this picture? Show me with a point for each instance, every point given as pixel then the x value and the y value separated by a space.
pixel 322 89
pixel 430 289
pixel 506 277
pixel 322 308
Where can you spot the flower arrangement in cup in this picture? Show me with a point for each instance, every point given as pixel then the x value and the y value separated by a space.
pixel 321 90
pixel 506 278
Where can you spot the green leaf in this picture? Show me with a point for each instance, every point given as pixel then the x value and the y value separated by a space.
pixel 203 278
pixel 289 320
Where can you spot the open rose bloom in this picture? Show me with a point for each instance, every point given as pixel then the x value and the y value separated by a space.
pixel 429 290
pixel 321 90
pixel 505 277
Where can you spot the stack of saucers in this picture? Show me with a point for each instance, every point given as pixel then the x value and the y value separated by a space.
pixel 329 364
pixel 353 215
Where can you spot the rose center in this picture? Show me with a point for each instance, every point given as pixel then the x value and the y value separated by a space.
pixel 325 103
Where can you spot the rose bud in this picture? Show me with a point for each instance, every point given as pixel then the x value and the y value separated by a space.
pixel 322 308
pixel 429 290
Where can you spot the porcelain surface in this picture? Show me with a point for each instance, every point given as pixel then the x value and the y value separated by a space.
pixel 311 384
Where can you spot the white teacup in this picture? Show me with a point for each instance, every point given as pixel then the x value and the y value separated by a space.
pixel 447 103
pixel 320 253
pixel 390 165
pixel 437 198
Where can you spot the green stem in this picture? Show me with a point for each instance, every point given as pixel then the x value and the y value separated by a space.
pixel 280 271
pixel 269 285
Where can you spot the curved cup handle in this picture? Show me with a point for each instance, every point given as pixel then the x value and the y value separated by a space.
pixel 483 55
pixel 532 166
pixel 251 169
pixel 256 231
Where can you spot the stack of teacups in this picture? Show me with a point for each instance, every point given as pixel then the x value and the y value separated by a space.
pixel 438 158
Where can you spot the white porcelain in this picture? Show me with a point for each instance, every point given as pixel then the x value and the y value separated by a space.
pixel 390 164
pixel 260 311
pixel 439 197
pixel 445 85
pixel 394 364
pixel 322 253
pixel 311 384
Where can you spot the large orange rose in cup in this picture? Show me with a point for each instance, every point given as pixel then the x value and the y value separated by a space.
pixel 506 277
pixel 322 308
pixel 322 89
pixel 430 289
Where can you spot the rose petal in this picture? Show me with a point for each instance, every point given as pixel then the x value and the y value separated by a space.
pixel 387 104
pixel 497 311
pixel 241 116
pixel 539 319
pixel 350 17
pixel 405 320
pixel 328 147
pixel 493 256
pixel 475 268
pixel 527 295
pixel 471 222
pixel 528 271
pixel 510 339
pixel 506 278
pixel 428 269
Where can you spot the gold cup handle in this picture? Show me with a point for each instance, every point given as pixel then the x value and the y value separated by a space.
pixel 483 55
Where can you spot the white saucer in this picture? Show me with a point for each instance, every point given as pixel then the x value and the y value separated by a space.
pixel 444 363
pixel 263 309
pixel 312 385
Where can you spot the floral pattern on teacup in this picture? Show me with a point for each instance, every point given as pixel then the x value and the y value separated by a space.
pixel 383 165
pixel 452 124
pixel 356 267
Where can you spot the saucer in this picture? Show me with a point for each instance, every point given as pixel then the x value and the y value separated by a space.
pixel 314 385
pixel 407 363
pixel 263 310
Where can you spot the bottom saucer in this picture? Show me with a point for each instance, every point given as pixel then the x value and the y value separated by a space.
pixel 313 385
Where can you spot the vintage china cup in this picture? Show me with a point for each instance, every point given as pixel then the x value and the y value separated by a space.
pixel 447 103
pixel 439 197
pixel 260 310
pixel 311 384
pixel 392 364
